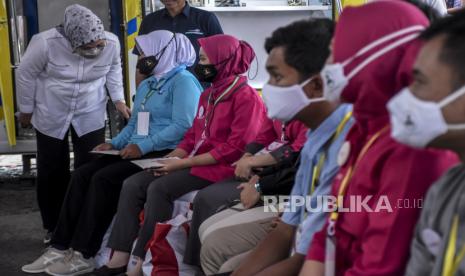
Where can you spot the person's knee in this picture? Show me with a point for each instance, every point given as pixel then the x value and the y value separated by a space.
pixel 97 179
pixel 158 188
pixel 131 187
pixel 213 244
pixel 206 257
pixel 212 253
pixel 79 179
pixel 81 172
pixel 201 200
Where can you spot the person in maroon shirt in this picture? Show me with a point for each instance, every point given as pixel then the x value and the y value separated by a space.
pixel 377 60
pixel 229 116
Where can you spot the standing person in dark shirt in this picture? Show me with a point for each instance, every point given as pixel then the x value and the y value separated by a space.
pixel 179 17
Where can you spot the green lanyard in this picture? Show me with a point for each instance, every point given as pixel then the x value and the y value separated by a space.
pixel 151 92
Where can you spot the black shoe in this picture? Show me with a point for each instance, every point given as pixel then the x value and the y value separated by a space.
pixel 106 271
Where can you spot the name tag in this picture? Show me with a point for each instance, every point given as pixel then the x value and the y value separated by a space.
pixel 143 123
pixel 330 256
pixel 194 31
pixel 298 236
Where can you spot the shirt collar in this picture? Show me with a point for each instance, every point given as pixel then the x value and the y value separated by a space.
pixel 159 83
pixel 318 137
pixel 186 11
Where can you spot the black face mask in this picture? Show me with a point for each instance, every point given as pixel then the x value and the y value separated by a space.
pixel 206 73
pixel 147 64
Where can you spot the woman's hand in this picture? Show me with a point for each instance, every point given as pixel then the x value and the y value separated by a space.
pixel 249 195
pixel 172 165
pixel 243 168
pixel 131 151
pixel 179 153
pixel 25 120
pixel 103 147
pixel 123 109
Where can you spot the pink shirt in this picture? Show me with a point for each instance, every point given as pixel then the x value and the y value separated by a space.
pixel 235 122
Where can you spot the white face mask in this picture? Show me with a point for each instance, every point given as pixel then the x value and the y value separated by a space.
pixel 283 103
pixel 334 79
pixel 89 53
pixel 415 122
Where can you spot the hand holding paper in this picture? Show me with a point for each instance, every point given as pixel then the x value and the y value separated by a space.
pixel 103 147
pixel 131 151
pixel 171 165
pixel 153 163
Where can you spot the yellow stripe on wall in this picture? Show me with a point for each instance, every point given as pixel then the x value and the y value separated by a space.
pixel 132 18
pixel 348 3
pixel 6 80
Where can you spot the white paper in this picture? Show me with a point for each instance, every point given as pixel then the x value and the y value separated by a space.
pixel 152 163
pixel 143 123
pixel 107 152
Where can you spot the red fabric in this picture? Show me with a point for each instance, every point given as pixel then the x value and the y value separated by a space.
pixel 296 133
pixel 379 243
pixel 236 120
pixel 271 131
pixel 164 259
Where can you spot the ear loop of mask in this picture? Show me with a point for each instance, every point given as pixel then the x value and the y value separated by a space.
pixel 162 51
pixel 381 52
pixel 256 70
pixel 312 100
pixel 226 59
pixel 139 49
pixel 176 45
pixel 459 93
pixel 374 44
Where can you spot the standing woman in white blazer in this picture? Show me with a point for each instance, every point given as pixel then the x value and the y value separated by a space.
pixel 60 91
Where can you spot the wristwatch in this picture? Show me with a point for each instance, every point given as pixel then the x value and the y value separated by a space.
pixel 257 187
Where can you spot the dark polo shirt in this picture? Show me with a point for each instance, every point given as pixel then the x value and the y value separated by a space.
pixel 192 22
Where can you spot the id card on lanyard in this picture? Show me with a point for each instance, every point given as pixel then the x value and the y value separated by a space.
pixel 209 114
pixel 331 241
pixel 143 117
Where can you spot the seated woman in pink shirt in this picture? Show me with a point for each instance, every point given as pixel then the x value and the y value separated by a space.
pixel 229 116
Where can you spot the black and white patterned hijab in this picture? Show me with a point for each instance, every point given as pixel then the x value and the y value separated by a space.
pixel 81 26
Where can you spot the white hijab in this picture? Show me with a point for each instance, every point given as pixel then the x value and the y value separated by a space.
pixel 179 50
